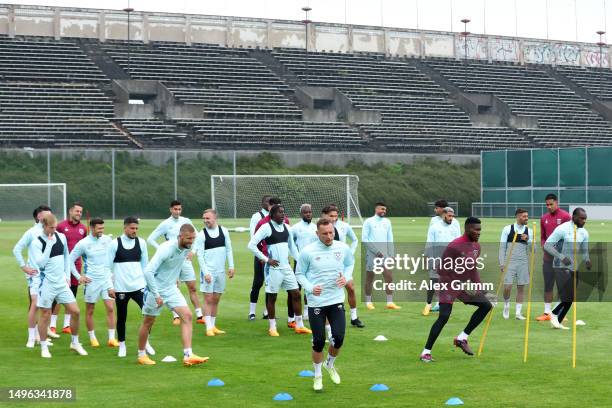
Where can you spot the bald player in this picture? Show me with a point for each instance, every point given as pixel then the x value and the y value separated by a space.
pixel 161 275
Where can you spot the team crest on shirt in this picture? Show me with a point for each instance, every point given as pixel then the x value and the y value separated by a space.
pixel 475 253
pixel 338 255
pixel 318 258
pixel 81 231
pixel 558 221
pixel 66 229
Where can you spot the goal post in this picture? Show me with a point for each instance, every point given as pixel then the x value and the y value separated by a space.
pixel 19 200
pixel 240 196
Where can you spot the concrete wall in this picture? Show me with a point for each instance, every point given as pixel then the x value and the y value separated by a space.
pixel 250 32
pixel 291 159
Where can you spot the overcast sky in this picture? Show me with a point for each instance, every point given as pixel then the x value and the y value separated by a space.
pixel 567 19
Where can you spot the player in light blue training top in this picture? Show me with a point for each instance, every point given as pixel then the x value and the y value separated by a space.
pixel 161 274
pixel 278 272
pixel 214 249
pixel 323 269
pixel 32 275
pixel 304 233
pixel 97 278
pixel 560 244
pixel 377 237
pixel 49 255
pixel 169 229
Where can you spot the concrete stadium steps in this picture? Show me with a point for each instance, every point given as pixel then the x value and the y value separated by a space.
pixel 43 114
pixel 154 132
pixel 598 82
pixel 236 133
pixel 237 100
pixel 45 59
pixel 562 115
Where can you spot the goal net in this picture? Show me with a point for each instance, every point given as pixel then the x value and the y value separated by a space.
pixel 240 196
pixel 19 200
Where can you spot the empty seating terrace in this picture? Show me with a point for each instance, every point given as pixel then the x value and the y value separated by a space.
pixel 598 82
pixel 416 113
pixel 46 60
pixel 38 114
pixel 563 117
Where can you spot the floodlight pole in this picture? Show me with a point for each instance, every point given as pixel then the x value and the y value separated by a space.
pixel 465 34
pixel 128 10
pixel 601 44
pixel 306 22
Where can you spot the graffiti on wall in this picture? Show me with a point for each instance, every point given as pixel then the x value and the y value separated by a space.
pixel 551 53
pixel 476 47
pixel 593 58
pixel 504 49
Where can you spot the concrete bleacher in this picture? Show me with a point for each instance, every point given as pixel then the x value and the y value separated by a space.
pixel 40 114
pixel 598 82
pixel 53 94
pixel 564 118
pixel 46 60
pixel 239 133
pixel 415 111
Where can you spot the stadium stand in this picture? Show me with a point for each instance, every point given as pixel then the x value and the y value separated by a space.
pixel 598 82
pixel 564 118
pixel 416 113
pixel 58 93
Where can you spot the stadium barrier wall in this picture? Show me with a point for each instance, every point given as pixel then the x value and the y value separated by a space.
pixel 21 20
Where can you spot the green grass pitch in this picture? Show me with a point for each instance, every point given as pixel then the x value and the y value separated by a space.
pixel 255 367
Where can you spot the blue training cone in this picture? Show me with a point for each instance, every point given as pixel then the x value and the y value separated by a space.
pixel 283 396
pixel 454 401
pixel 215 382
pixel 379 387
pixel 306 373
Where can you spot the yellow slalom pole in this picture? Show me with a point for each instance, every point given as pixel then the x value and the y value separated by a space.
pixel 531 269
pixel 501 282
pixel 575 304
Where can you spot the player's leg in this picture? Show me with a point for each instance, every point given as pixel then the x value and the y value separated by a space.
pixel 43 324
pixel 32 309
pixel 483 307
pixel 369 281
pixel 549 284
pixel 53 323
pixel 317 318
pixel 138 296
pixel 274 278
pixel 520 296
pixel 270 306
pixel 89 321
pixel 290 284
pixel 433 280
pixel 368 289
pixel 208 311
pixel 565 285
pixel 143 335
pixel 67 315
pixel 121 304
pixel 352 301
pixel 178 304
pixel 337 320
pixel 109 306
pixel 507 294
pixel 72 308
pixel 445 312
pixel 216 298
pixel 258 281
pixel 388 277
pixel 290 312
